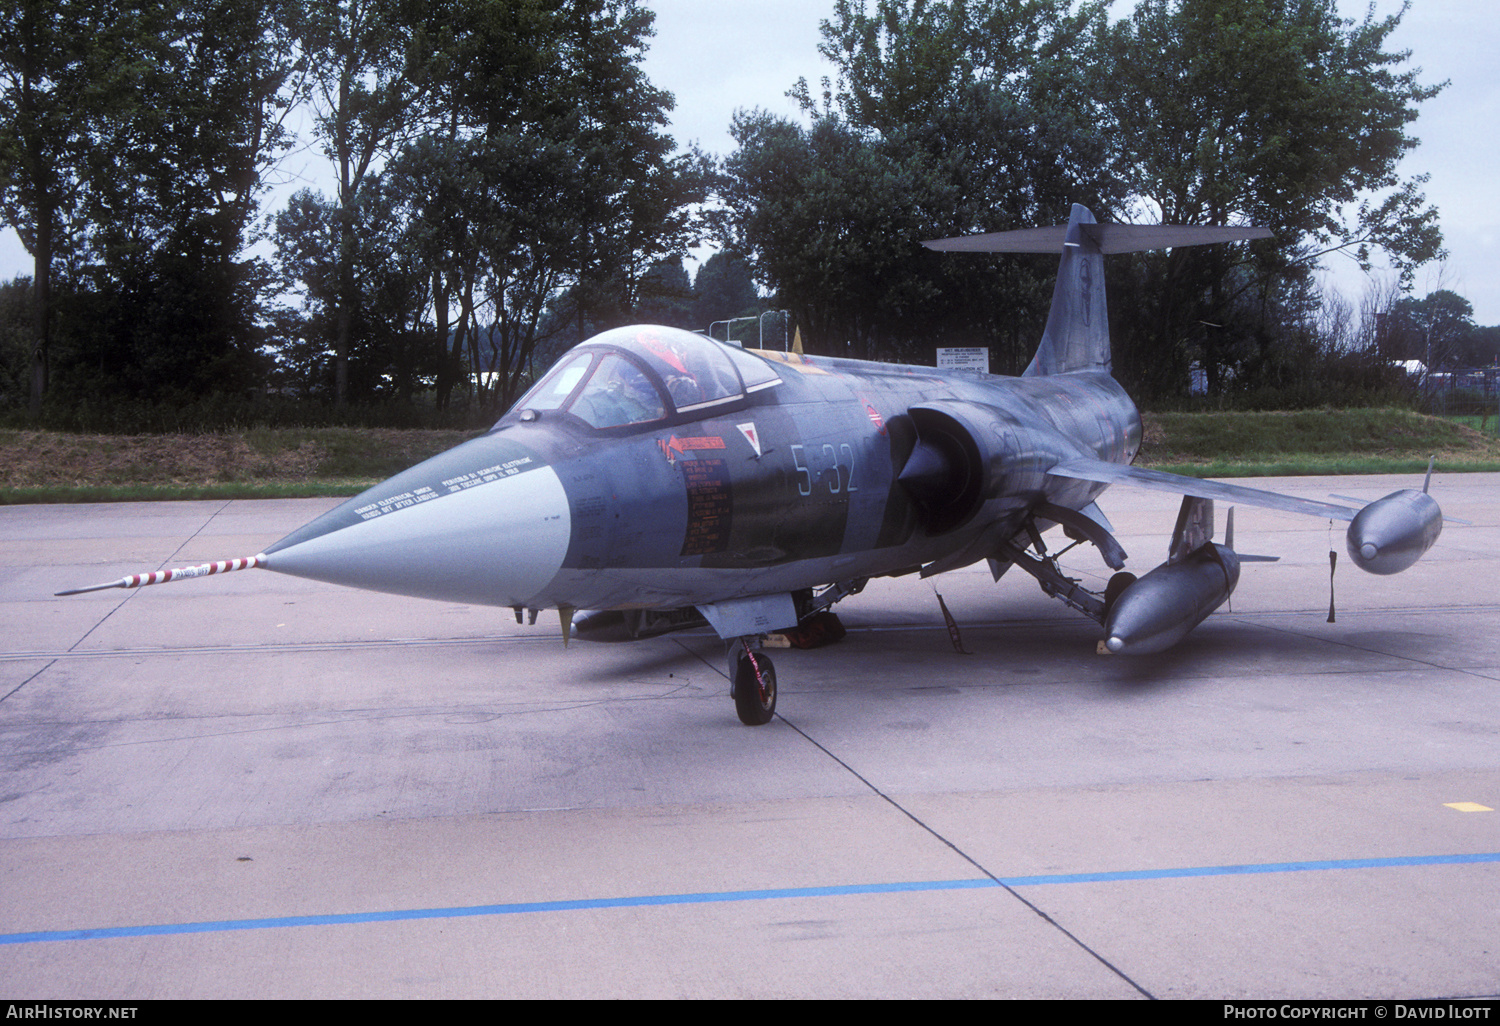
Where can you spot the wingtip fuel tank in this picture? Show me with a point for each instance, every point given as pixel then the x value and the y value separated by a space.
pixel 1392 533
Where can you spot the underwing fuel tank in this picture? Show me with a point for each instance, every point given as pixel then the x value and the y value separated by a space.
pixel 1392 533
pixel 1158 610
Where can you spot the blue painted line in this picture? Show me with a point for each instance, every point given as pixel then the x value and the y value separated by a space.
pixel 1263 867
pixel 709 897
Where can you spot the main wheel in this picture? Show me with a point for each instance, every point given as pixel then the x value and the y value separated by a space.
pixel 754 692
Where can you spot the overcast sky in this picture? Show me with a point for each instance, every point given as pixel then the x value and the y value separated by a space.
pixel 717 57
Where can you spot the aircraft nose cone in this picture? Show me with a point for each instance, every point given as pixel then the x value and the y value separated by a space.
pixel 486 523
pixel 1369 550
pixel 1115 644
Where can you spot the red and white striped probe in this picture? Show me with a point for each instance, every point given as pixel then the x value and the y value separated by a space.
pixel 223 566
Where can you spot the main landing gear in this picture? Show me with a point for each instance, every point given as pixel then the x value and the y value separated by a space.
pixel 753 682
pixel 1043 566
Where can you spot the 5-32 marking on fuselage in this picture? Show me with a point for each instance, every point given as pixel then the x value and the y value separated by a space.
pixel 840 460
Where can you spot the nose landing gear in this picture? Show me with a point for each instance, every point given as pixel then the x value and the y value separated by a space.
pixel 753 683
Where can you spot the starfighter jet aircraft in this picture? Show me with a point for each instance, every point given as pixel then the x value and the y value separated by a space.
pixel 655 479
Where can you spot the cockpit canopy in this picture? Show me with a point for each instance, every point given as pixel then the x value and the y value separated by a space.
pixel 645 373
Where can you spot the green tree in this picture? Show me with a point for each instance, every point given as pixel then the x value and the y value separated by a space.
pixel 1437 329
pixel 665 295
pixel 63 69
pixel 133 143
pixel 306 236
pixel 1268 112
pixel 944 119
pixel 543 188
pixel 168 306
pixel 828 216
pixel 1482 348
pixel 367 81
pixel 1277 111
pixel 638 196
pixel 15 343
pixel 723 289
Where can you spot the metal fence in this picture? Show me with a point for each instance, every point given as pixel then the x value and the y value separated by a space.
pixel 1464 393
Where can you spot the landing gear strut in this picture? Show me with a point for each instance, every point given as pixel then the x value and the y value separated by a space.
pixel 1043 566
pixel 754 682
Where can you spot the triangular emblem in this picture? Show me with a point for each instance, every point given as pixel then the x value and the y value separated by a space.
pixel 751 435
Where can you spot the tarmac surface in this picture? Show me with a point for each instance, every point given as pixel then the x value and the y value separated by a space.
pixel 258 786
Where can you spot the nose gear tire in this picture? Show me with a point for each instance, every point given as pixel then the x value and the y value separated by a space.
pixel 754 699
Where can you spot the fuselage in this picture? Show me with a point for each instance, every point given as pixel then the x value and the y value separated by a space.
pixel 652 468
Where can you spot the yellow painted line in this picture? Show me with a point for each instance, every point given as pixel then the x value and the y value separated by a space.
pixel 1468 807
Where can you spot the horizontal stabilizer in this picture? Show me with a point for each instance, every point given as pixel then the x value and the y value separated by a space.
pixel 1110 238
pixel 1119 473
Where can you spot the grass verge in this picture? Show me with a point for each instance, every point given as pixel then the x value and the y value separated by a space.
pixel 46 466
pixel 41 466
pixel 1312 442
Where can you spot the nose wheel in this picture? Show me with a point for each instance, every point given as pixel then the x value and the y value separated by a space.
pixel 754 686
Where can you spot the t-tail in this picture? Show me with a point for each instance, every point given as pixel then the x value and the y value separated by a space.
pixel 1077 333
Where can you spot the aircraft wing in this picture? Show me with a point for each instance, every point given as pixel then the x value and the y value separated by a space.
pixel 1084 469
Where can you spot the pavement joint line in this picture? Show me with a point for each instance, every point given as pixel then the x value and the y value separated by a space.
pixel 715 897
pixel 28 680
pixel 113 610
pixel 1009 889
pixel 130 593
pixel 1346 643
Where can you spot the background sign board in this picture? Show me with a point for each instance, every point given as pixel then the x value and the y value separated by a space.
pixel 971 358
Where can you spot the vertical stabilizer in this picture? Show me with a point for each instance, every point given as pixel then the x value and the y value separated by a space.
pixel 1077 335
